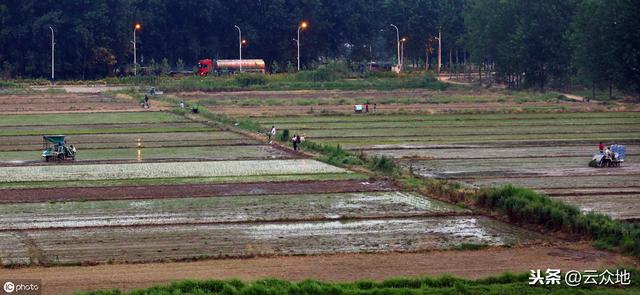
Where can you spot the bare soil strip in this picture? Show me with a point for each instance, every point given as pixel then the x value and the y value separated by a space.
pixel 589 192
pixel 339 267
pixel 310 110
pixel 184 191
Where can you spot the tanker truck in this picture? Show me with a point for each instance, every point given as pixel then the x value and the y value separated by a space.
pixel 229 66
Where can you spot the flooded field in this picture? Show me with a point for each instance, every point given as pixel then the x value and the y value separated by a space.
pixel 262 208
pixel 535 150
pixel 179 242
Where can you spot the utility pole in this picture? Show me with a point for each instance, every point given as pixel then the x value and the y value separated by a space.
pixel 302 26
pixel 439 49
pixel 53 58
pixel 135 57
pixel 240 45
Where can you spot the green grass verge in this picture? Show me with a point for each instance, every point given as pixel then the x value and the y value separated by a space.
pixel 178 181
pixel 306 80
pixel 505 284
pixel 526 206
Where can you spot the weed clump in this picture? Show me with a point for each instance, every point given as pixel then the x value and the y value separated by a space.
pixel 250 79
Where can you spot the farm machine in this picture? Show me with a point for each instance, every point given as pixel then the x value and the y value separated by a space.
pixel 612 157
pixel 55 149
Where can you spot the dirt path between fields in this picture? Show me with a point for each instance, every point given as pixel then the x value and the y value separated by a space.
pixel 343 267
pixel 188 191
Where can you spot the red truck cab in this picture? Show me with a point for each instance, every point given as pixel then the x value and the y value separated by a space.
pixel 205 66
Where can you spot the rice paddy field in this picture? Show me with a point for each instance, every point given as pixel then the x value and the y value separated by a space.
pixel 154 186
pixel 545 151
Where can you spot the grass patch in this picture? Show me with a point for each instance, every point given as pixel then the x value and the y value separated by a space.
pixel 504 284
pixel 526 206
pixel 326 77
pixel 471 246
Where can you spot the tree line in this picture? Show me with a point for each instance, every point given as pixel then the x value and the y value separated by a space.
pixel 527 43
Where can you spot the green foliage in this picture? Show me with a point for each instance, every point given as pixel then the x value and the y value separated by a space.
pixel 504 284
pixel 284 136
pixel 326 73
pixel 526 206
pixel 180 65
pixel 165 67
pixel 8 84
pixel 525 40
pixel 602 50
pixel 383 164
pixel 249 79
pixel 331 154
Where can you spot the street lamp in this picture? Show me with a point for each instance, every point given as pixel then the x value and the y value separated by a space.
pixel 402 52
pixel 240 42
pixel 135 57
pixel 439 38
pixel 303 25
pixel 398 38
pixel 53 57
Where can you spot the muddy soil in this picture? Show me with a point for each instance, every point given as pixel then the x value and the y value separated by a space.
pixel 270 111
pixel 309 94
pixel 179 242
pixel 128 139
pixel 185 191
pixel 494 153
pixel 340 267
pixel 151 154
pixel 623 206
pixel 69 102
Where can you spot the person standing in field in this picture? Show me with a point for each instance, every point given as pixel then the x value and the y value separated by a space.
pixel 366 108
pixel 272 134
pixel 601 147
pixel 298 141
pixel 375 107
pixel 294 140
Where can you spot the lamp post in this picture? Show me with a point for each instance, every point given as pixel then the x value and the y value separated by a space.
pixel 439 38
pixel 402 52
pixel 53 57
pixel 240 45
pixel 135 57
pixel 302 26
pixel 398 39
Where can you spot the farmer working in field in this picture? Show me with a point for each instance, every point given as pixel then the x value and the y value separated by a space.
pixel 272 134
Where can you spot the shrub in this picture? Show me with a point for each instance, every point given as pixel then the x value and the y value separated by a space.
pixel 250 79
pixel 526 206
pixel 325 73
pixel 284 136
pixel 383 164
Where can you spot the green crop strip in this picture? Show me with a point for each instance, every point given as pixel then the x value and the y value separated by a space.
pixel 505 284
